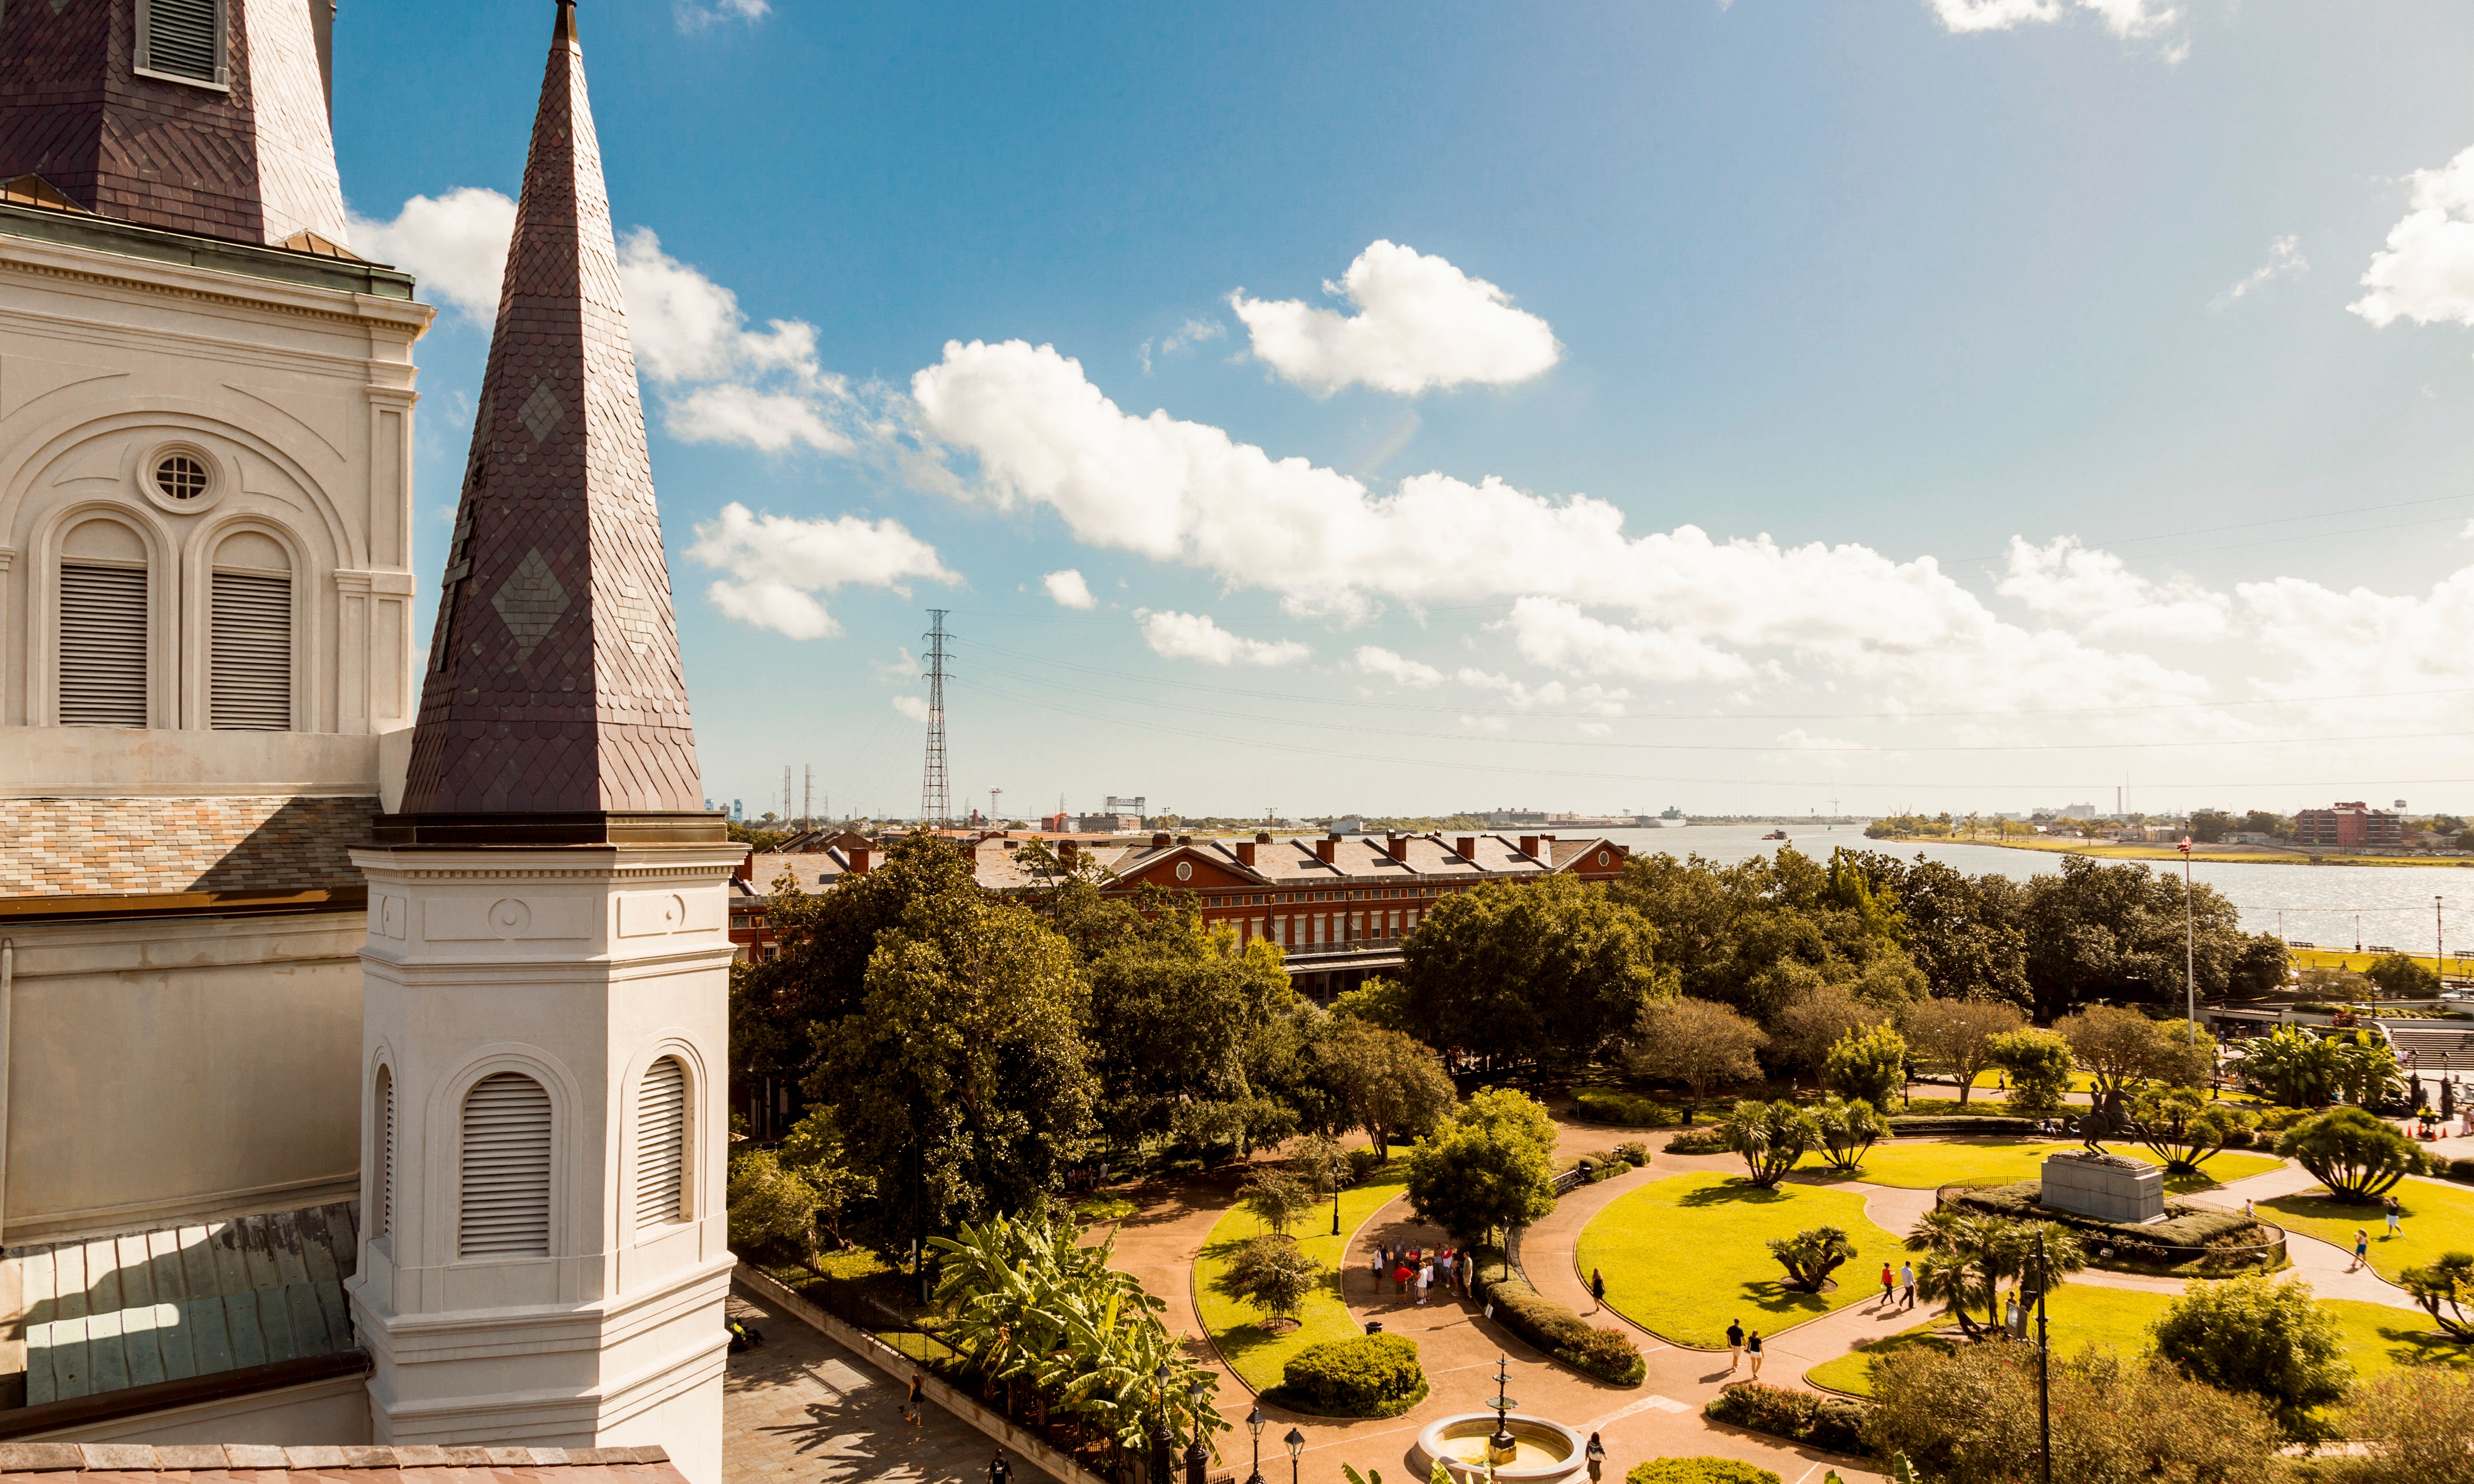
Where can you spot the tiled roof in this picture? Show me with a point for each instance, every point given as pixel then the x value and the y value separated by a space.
pixel 216 1463
pixel 110 847
pixel 112 1313
pixel 554 684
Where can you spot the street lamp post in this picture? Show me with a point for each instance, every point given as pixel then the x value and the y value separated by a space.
pixel 1296 1442
pixel 1197 1461
pixel 1254 1425
pixel 1163 1442
pixel 2043 1366
pixel 2190 944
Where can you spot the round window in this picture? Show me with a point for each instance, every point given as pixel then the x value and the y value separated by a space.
pixel 181 476
pixel 1186 870
pixel 1603 857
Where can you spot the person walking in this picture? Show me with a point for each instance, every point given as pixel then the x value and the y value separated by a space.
pixel 1400 1280
pixel 1752 1348
pixel 913 1410
pixel 1889 1284
pixel 999 1471
pixel 1735 1344
pixel 2361 1247
pixel 1426 1281
pixel 1596 1455
pixel 2396 1215
pixel 1597 1288
pixel 1908 1281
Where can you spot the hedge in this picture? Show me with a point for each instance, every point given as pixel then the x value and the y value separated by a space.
pixel 1712 1139
pixel 1607 1105
pixel 1699 1470
pixel 1832 1423
pixel 1365 1376
pixel 1608 1354
pixel 1911 1125
pixel 2187 1225
pixel 2462 1169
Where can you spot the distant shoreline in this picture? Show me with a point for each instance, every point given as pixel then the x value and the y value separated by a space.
pixel 2236 854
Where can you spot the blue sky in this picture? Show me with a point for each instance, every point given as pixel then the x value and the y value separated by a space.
pixel 1916 289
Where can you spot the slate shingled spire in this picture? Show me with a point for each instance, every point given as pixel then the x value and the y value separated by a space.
pixel 554 708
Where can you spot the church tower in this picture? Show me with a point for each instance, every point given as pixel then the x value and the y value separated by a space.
pixel 544 1247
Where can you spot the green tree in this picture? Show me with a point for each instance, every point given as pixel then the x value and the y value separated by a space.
pixel 1489 1167
pixel 1771 1137
pixel 1814 1020
pixel 1967 1255
pixel 2400 977
pixel 2096 931
pixel 1970 1417
pixel 2292 1066
pixel 960 1075
pixel 2183 1128
pixel 1184 1008
pixel 1379 1001
pixel 1848 1132
pixel 1963 932
pixel 2353 1153
pixel 1386 1083
pixel 1272 1273
pixel 2038 1065
pixel 1695 1042
pixel 2447 1283
pixel 772 1207
pixel 1758 934
pixel 1956 1036
pixel 1276 1197
pixel 2413 1422
pixel 2119 1049
pixel 1810 1256
pixel 816 1151
pixel 1547 971
pixel 2259 1338
pixel 1870 1065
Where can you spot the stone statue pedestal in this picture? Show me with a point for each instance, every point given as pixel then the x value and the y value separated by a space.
pixel 2106 1186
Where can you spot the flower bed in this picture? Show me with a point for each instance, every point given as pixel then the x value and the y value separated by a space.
pixel 1832 1423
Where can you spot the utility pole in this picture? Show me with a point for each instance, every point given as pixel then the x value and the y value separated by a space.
pixel 807 796
pixel 786 800
pixel 2439 943
pixel 935 798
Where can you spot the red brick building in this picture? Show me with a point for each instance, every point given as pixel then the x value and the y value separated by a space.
pixel 2348 827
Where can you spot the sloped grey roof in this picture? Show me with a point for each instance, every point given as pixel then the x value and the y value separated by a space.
pixel 162 1306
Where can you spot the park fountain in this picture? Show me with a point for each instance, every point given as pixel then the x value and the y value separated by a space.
pixel 1502 1443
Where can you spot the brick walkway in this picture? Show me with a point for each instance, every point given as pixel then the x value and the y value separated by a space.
pixel 805 1408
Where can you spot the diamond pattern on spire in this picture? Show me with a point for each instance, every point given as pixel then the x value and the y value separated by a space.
pixel 556 684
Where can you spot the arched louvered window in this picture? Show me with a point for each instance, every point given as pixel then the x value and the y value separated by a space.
pixel 250 651
pixel 662 1143
pixel 104 635
pixel 504 1207
pixel 383 1182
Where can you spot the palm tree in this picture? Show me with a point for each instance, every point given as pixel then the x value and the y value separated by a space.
pixel 1966 1257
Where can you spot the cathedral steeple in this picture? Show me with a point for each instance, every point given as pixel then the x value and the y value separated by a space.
pixel 554 708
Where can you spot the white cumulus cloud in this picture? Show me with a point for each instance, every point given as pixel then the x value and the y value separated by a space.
pixel 774 565
pixel 1554 694
pixel 1400 670
pixel 1558 636
pixel 913 707
pixel 2132 20
pixel 2427 273
pixel 2285 260
pixel 771 421
pixel 692 16
pixel 2098 594
pixel 1068 589
pixel 1173 635
pixel 455 245
pixel 1421 324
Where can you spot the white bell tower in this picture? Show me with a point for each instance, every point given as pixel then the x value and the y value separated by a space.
pixel 545 1010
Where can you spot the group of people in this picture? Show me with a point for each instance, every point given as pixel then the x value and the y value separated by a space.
pixel 2395 1214
pixel 1410 1265
pixel 1894 1284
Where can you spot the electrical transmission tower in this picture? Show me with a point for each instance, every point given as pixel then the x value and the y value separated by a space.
pixel 935 798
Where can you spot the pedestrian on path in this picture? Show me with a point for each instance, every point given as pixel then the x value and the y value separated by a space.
pixel 913 1410
pixel 999 1471
pixel 1382 1260
pixel 2361 1247
pixel 1889 1284
pixel 1400 1280
pixel 1596 1455
pixel 1426 1281
pixel 2249 1212
pixel 1735 1344
pixel 1597 1288
pixel 1907 1280
pixel 2395 1213
pixel 1752 1348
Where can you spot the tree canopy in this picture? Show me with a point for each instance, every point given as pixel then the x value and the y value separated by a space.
pixel 1549 969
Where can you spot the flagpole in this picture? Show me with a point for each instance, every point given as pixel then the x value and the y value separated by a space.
pixel 2190 946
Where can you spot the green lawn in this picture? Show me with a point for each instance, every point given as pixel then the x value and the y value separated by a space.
pixel 1921 1167
pixel 1684 1254
pixel 2378 1337
pixel 2437 1218
pixel 1256 1354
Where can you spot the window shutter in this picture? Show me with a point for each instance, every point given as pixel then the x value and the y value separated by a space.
pixel 382 1192
pixel 505 1204
pixel 251 659
pixel 662 1143
pixel 103 646
pixel 182 36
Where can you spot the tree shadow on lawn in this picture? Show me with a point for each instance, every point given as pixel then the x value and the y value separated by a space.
pixel 1771 1296
pixel 2412 1346
pixel 1244 1343
pixel 1738 1192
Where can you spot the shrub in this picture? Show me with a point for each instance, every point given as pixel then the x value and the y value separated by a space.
pixel 1637 1155
pixel 1363 1162
pixel 1810 1256
pixel 1913 1125
pixel 1771 1137
pixel 1870 1065
pixel 2352 1152
pixel 2259 1338
pixel 2276 1121
pixel 1832 1423
pixel 1272 1273
pixel 1365 1375
pixel 2184 1223
pixel 1094 1209
pixel 2038 1066
pixel 2462 1169
pixel 2415 1422
pixel 1848 1132
pixel 1707 1140
pixel 1608 1354
pixel 1607 1105
pixel 1698 1471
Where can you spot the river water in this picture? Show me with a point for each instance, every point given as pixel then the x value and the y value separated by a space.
pixel 2390 906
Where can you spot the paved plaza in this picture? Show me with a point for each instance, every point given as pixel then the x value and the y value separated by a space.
pixel 803 1407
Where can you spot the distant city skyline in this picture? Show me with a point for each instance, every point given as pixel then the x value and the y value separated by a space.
pixel 1718 405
